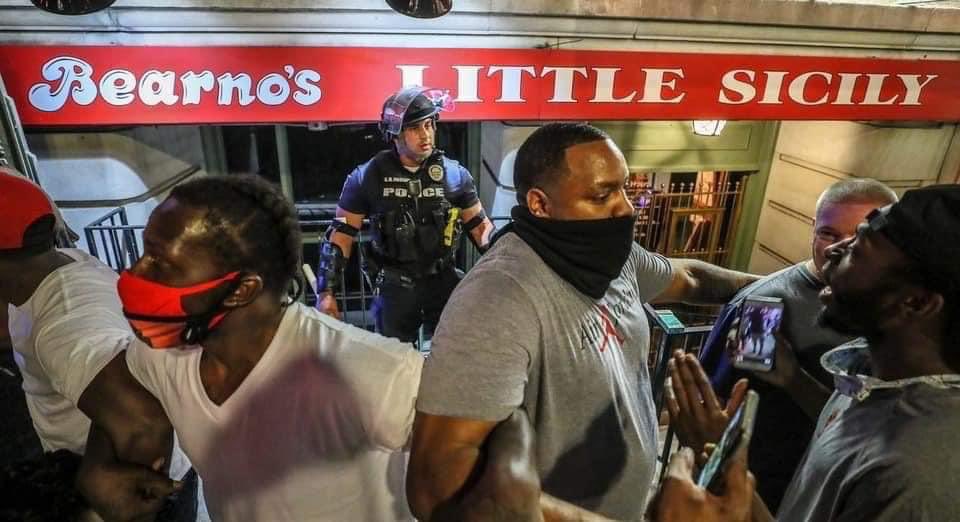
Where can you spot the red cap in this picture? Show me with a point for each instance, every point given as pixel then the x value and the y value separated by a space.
pixel 22 203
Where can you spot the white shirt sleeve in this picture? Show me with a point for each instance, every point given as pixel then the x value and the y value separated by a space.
pixel 146 365
pixel 72 354
pixel 393 419
pixel 385 376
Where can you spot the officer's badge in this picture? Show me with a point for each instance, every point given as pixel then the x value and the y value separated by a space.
pixel 435 172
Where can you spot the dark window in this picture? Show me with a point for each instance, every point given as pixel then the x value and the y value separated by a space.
pixel 253 150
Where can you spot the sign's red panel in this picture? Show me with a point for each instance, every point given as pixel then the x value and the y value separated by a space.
pixel 56 85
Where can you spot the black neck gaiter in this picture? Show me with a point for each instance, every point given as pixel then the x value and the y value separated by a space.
pixel 588 254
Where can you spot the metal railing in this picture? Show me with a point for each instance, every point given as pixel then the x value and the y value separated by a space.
pixel 113 240
pixel 354 299
pixel 688 220
pixel 667 334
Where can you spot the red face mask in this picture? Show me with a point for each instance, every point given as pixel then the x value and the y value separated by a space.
pixel 156 313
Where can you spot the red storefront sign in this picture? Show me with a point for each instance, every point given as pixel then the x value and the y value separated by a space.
pixel 55 85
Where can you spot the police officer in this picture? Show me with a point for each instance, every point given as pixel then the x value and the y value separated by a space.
pixel 418 201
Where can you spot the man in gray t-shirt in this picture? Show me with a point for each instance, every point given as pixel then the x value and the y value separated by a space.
pixel 884 450
pixel 887 458
pixel 574 364
pixel 551 320
pixel 782 430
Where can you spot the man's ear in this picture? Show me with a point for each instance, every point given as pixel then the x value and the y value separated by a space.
pixel 251 286
pixel 538 203
pixel 921 305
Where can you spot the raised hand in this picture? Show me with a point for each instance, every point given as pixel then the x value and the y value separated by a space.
pixel 695 411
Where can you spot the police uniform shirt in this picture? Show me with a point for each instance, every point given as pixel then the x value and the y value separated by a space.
pixel 383 183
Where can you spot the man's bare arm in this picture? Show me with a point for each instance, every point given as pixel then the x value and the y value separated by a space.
pixel 132 418
pixel 117 490
pixel 447 461
pixel 696 282
pixel 445 455
pixel 123 474
pixel 556 510
pixel 508 488
pixel 805 390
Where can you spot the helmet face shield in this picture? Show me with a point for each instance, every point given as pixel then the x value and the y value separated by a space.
pixel 441 99
pixel 412 105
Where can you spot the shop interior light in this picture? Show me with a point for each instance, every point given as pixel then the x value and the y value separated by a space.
pixel 421 8
pixel 708 127
pixel 72 7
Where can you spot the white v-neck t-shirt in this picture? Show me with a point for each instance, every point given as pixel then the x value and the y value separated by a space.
pixel 314 432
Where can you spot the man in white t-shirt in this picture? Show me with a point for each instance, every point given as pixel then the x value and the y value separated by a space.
pixel 311 433
pixel 286 414
pixel 68 335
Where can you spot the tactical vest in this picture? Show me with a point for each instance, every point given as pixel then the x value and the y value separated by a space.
pixel 414 226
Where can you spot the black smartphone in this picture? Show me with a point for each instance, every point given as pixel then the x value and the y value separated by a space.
pixel 756 345
pixel 737 433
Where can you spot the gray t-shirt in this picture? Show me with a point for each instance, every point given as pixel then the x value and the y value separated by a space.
pixel 782 430
pixel 515 334
pixel 890 458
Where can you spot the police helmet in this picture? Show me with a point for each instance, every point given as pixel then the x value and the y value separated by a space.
pixel 409 106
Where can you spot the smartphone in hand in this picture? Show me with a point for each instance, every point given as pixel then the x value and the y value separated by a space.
pixel 737 433
pixel 756 345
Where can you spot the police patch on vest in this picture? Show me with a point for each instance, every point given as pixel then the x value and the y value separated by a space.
pixel 435 172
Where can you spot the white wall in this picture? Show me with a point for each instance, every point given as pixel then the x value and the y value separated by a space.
pixel 86 166
pixel 810 156
pixel 497 141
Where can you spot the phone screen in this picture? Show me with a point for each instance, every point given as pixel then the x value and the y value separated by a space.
pixel 756 344
pixel 738 431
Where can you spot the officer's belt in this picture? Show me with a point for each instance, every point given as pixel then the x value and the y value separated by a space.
pixel 409 275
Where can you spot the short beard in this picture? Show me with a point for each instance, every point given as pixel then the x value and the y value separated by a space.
pixel 422 156
pixel 857 314
pixel 840 325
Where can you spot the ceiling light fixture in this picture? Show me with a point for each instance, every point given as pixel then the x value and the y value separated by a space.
pixel 708 127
